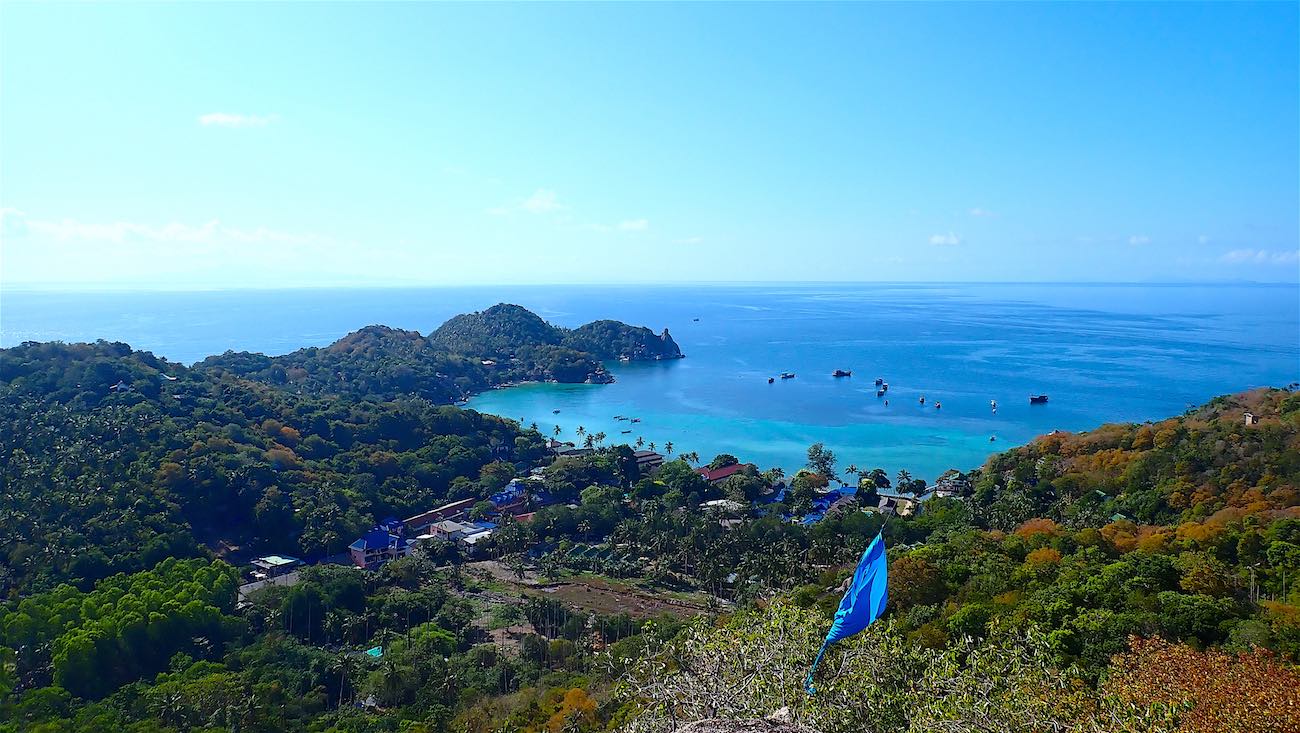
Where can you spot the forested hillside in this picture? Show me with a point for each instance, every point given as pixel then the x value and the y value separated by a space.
pixel 113 460
pixel 467 354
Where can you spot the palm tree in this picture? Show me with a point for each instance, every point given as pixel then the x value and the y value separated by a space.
pixel 342 665
pixel 533 427
pixel 668 448
pixel 591 439
pixel 640 441
pixel 691 457
pixel 557 431
pixel 600 437
pixel 652 445
pixel 581 431
pixel 904 478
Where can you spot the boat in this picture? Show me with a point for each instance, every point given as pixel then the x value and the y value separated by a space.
pixel 696 320
pixel 992 438
pixel 884 387
pixel 787 375
pixel 842 373
pixel 555 412
pixel 636 419
pixel 923 399
pixel 1038 399
pixel 771 379
pixel 879 381
pixel 938 405
pixel 880 393
pixel 625 432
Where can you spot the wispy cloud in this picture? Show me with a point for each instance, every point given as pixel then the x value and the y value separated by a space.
pixel 634 225
pixel 1203 239
pixel 946 240
pixel 689 240
pixel 230 119
pixel 977 211
pixel 1138 239
pixel 542 201
pixel 1261 257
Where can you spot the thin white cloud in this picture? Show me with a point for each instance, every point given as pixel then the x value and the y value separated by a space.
pixel 634 225
pixel 946 240
pixel 13 222
pixel 977 211
pixel 1203 239
pixel 1261 257
pixel 1139 239
pixel 230 119
pixel 542 201
pixel 689 240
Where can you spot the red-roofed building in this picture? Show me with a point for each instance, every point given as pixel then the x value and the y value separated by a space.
pixel 715 475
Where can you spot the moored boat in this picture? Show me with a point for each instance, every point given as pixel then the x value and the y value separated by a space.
pixel 787 375
pixel 1038 399
pixel 842 373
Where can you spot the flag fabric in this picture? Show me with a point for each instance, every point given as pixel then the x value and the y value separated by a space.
pixel 862 604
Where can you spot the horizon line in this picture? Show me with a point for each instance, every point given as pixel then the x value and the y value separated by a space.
pixel 79 289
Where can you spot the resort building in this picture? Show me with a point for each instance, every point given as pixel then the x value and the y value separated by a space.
pixel 377 547
pixel 718 475
pixel 647 461
pixel 420 523
pixel 273 566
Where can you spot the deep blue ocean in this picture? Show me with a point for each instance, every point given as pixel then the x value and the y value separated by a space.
pixel 1103 353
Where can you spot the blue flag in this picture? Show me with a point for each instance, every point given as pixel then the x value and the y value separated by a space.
pixel 862 603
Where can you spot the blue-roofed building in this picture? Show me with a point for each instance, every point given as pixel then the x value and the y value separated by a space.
pixel 377 547
pixel 510 494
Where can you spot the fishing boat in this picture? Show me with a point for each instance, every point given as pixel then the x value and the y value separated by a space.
pixel 787 375
pixel 625 432
pixel 884 387
pixel 879 381
pixel 923 399
pixel 1038 399
pixel 636 419
pixel 555 412
pixel 880 393
pixel 938 405
pixel 842 373
pixel 771 379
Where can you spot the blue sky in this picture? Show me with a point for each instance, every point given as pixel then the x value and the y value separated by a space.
pixel 259 145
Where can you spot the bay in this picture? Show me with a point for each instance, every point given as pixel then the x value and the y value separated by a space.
pixel 1103 353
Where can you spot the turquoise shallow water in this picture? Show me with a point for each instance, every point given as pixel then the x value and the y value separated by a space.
pixel 1103 353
